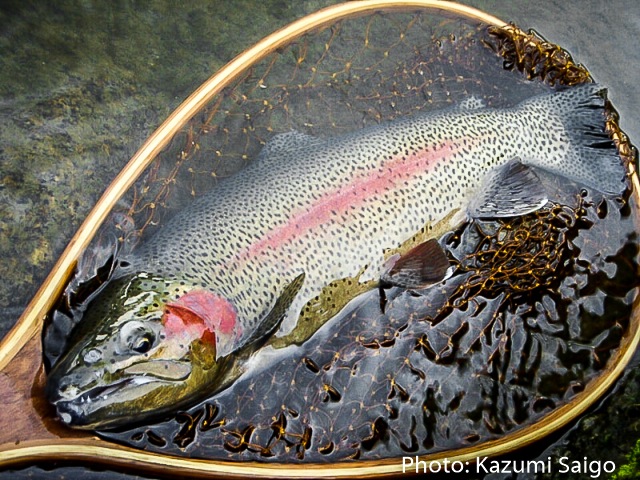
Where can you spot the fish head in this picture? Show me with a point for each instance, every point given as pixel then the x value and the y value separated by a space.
pixel 145 346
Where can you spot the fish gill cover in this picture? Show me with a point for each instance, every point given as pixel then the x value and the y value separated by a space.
pixel 536 307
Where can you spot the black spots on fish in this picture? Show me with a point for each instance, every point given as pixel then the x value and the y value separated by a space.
pixel 149 285
pixel 202 244
pixel 201 264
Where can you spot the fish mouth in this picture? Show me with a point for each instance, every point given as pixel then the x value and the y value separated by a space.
pixel 83 410
pixel 84 399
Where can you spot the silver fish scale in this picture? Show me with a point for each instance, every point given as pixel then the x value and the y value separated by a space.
pixel 203 243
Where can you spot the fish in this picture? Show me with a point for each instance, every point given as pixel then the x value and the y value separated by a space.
pixel 271 245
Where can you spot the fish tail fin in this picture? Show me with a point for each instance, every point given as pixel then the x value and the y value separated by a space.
pixel 591 157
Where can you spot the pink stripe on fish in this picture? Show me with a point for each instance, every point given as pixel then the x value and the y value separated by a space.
pixel 394 172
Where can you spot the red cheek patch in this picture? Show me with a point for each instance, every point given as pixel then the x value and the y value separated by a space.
pixel 200 314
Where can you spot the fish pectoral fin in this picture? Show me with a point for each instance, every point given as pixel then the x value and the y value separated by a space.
pixel 269 325
pixel 420 267
pixel 511 190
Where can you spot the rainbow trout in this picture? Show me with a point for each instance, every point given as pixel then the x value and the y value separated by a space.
pixel 183 312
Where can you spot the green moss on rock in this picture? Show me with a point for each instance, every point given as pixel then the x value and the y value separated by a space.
pixel 630 470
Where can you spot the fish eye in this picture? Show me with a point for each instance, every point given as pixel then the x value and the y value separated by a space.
pixel 136 336
pixel 143 344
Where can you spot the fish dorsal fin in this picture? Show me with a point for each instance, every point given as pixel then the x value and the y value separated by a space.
pixel 471 103
pixel 268 326
pixel 509 190
pixel 285 143
pixel 420 267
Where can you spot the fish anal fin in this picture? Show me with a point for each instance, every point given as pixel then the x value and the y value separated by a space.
pixel 510 190
pixel 423 265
